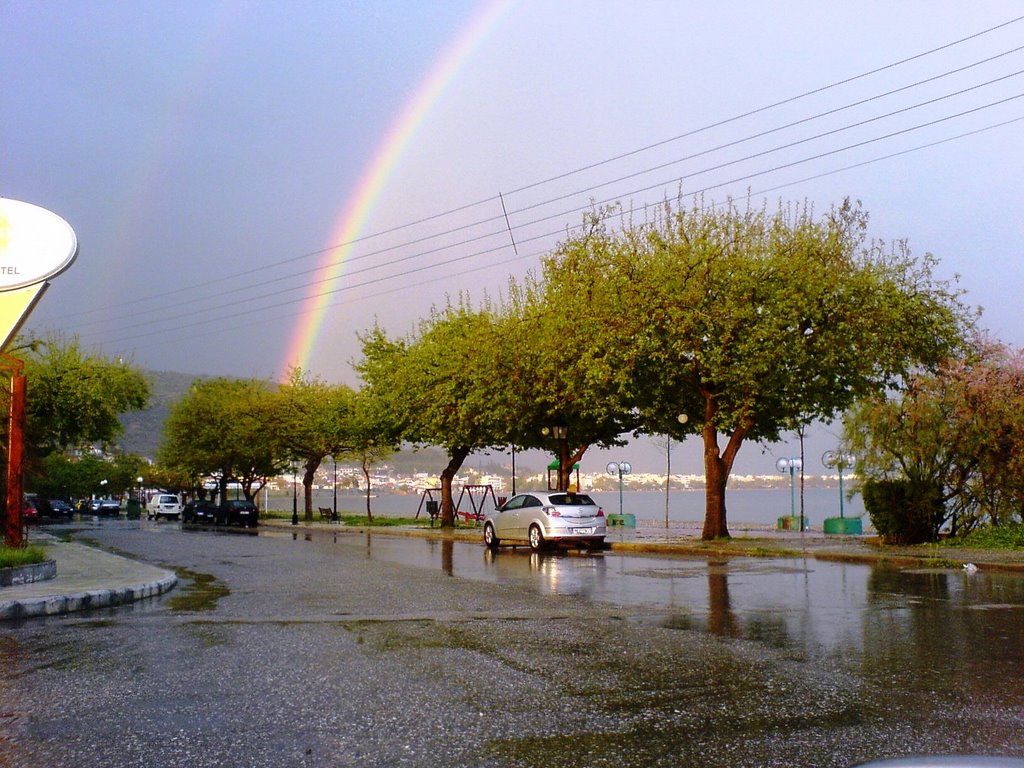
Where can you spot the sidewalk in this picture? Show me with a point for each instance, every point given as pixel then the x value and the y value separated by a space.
pixel 86 578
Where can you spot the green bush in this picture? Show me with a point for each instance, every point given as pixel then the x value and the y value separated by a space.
pixel 904 512
pixel 1010 536
pixel 15 556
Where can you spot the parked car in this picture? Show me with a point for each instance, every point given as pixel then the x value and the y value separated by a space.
pixel 105 507
pixel 238 511
pixel 164 505
pixel 29 511
pixel 61 508
pixel 538 518
pixel 201 511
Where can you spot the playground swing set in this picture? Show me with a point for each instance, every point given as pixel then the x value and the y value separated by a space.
pixel 475 495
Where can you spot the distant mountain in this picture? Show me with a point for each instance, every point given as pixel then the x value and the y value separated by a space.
pixel 143 429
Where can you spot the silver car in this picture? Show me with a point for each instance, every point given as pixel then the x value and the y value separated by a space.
pixel 539 517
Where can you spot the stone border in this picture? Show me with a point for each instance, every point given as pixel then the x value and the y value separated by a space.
pixel 27 574
pixel 98 598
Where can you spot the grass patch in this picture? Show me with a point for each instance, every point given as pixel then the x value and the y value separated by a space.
pixel 12 557
pixel 992 537
pixel 382 522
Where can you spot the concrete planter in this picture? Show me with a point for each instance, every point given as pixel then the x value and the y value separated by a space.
pixel 26 574
pixel 848 526
pixel 792 523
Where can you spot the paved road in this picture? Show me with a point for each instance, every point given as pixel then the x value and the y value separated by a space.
pixel 356 650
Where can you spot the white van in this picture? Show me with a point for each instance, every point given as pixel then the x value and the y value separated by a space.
pixel 164 505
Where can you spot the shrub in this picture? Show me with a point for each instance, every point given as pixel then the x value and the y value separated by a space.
pixel 904 512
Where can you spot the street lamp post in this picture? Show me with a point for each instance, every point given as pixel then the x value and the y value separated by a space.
pixel 838 461
pixel 619 468
pixel 295 496
pixel 791 466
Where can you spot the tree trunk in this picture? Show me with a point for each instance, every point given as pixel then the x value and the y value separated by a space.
pixel 567 462
pixel 455 459
pixel 366 474
pixel 715 526
pixel 307 489
pixel 717 467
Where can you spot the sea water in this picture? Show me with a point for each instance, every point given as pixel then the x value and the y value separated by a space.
pixel 753 506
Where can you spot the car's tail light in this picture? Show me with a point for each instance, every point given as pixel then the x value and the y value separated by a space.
pixel 600 512
pixel 552 512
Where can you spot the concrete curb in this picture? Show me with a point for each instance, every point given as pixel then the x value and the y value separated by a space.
pixel 28 574
pixel 51 605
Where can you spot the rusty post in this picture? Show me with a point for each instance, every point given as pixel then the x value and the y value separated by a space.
pixel 13 524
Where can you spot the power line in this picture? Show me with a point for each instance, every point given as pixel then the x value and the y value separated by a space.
pixel 163 295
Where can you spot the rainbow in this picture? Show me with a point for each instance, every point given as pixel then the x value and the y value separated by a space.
pixel 375 176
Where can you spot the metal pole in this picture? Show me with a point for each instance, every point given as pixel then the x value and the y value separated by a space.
pixel 335 484
pixel 840 492
pixel 792 492
pixel 620 490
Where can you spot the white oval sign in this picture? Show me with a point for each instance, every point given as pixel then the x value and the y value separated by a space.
pixel 35 244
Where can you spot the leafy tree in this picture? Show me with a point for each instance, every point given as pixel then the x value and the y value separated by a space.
pixel 74 398
pixel 372 436
pixel 555 370
pixel 749 323
pixel 959 429
pixel 60 476
pixel 434 386
pixel 219 430
pixel 313 421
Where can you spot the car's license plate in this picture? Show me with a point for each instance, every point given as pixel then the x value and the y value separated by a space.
pixel 582 530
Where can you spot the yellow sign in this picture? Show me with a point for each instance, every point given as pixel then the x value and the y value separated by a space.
pixel 15 307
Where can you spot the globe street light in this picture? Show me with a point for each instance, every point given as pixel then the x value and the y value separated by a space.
pixel 791 466
pixel 838 461
pixel 619 468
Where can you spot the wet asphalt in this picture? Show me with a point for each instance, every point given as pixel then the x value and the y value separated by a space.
pixel 338 649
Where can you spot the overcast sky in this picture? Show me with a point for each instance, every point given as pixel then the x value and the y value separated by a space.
pixel 206 153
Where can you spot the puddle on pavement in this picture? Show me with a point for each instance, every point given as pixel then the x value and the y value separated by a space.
pixel 200 592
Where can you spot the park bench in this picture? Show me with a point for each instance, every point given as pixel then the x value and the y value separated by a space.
pixel 328 514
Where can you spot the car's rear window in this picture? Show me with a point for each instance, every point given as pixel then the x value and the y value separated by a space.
pixel 572 499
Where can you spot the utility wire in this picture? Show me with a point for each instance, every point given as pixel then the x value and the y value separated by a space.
pixel 464 257
pixel 147 308
pixel 310 254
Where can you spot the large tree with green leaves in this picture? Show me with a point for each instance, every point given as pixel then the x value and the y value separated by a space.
pixel 434 386
pixel 312 421
pixel 750 322
pixel 220 429
pixel 558 386
pixel 74 398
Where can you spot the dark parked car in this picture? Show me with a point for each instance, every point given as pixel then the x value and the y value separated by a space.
pixel 238 511
pixel 202 511
pixel 61 508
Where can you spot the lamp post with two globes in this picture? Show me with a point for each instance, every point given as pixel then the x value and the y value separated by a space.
pixel 619 468
pixel 791 466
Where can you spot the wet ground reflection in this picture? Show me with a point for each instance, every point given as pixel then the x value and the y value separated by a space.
pixel 920 629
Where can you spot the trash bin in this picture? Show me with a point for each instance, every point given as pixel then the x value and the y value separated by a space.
pixel 133 509
pixel 432 509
